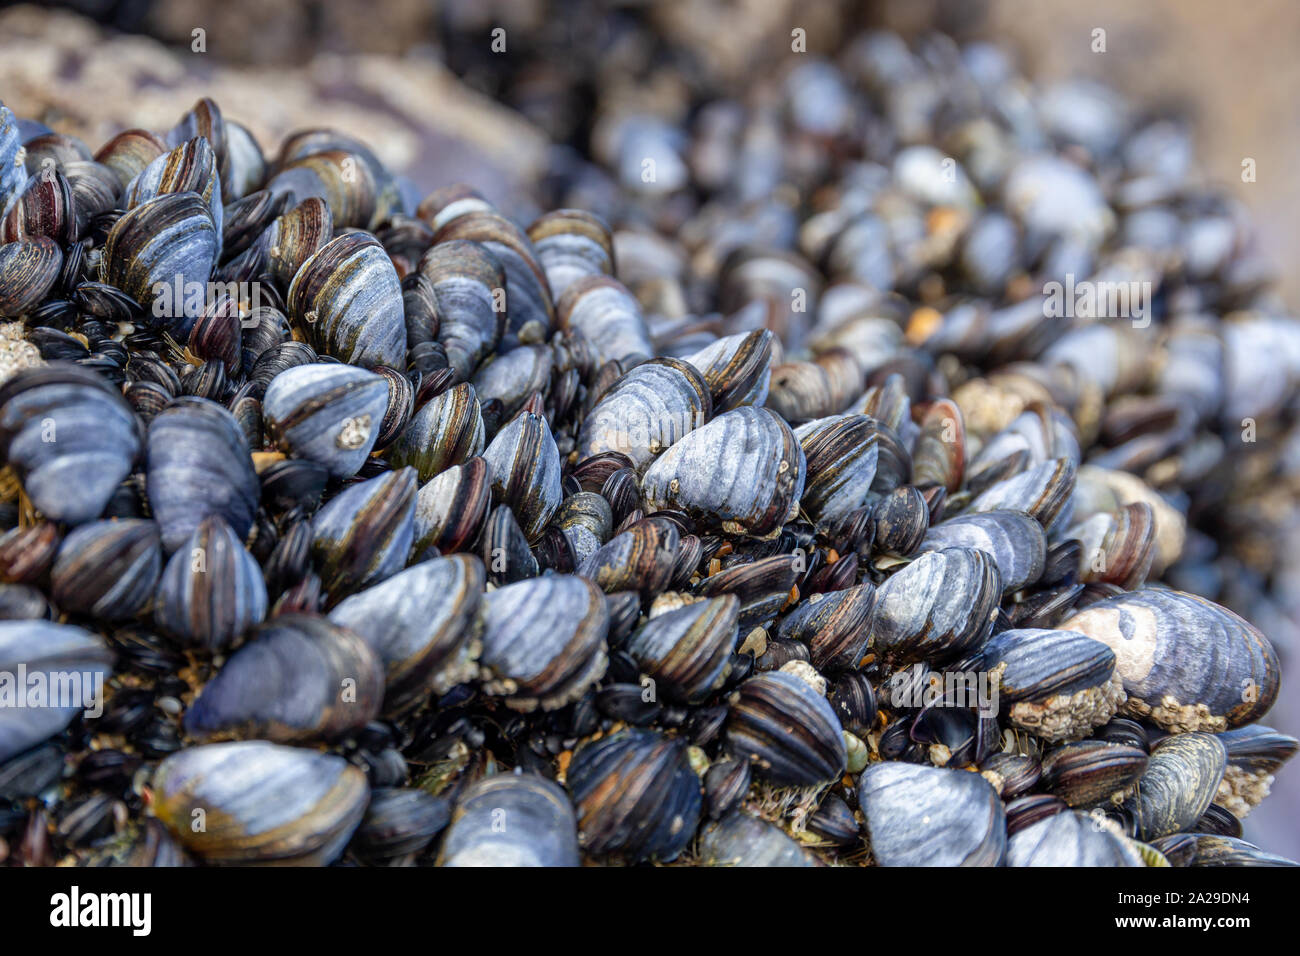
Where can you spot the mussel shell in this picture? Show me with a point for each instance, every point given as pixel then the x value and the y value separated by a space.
pixel 524 465
pixel 646 411
pixel 1014 539
pixel 571 244
pixel 544 641
pixel 465 278
pixel 725 784
pixel 327 413
pixel 740 839
pixel 1089 772
pixel 1044 491
pixel 294 237
pixel 62 656
pixel 107 569
pixel 505 550
pixel 517 819
pixel 643 559
pixel 191 167
pixel 1255 753
pixel 687 652
pixel 363 535
pixel 787 730
pixel 198 465
pixel 608 316
pixel 211 590
pixel 298 678
pixel 1180 782
pixel 931 816
pixel 834 625
pixel 842 454
pixel 737 369
pixel 636 796
pixel 399 822
pixel 28 270
pixel 1187 663
pixel 260 802
pixel 1069 839
pixel 69 436
pixel 450 507
pixel 423 623
pixel 447 431
pixel 744 471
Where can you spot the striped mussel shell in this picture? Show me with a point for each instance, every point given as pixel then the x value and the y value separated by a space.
pixel 1181 779
pixel 451 202
pixel 211 590
pixel 1044 491
pixel 1070 839
pixel 260 803
pixel 687 652
pixel 939 456
pixel 28 270
pixel 1187 663
pixel 46 207
pixel 95 191
pixel 530 312
pixel 505 550
pixel 511 819
pixel 524 464
pixel 931 816
pixel 1210 849
pixel 900 520
pixel 340 177
pixel 512 377
pixel 1119 547
pixel 129 152
pixel 299 678
pixel 199 464
pixel 842 454
pixel 544 641
pixel 401 403
pixel 447 431
pixel 641 558
pixel 57 652
pixel 348 299
pixel 1103 490
pixel 203 120
pixel 363 535
pixel 636 796
pixel 70 437
pixel 608 316
pixel 327 413
pixel 216 334
pixel 1039 434
pixel 726 783
pixel 587 521
pixel 572 244
pixel 1090 772
pixel 742 839
pixel 804 391
pixel 400 822
pixel 737 369
pixel 451 506
pixel 787 730
pixel 1255 753
pixel 1013 539
pixel 646 411
pixel 310 143
pixel 763 586
pixel 466 278
pixel 12 157
pixel 294 237
pixel 835 625
pixel 940 606
pixel 1011 774
pixel 107 569
pixel 423 624
pixel 189 168
pixel 244 167
pixel 744 471
pixel 158 245
pixel 1060 684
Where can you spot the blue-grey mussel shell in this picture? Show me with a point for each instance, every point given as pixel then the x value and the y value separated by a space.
pixel 1059 683
pixel 190 167
pixel 524 464
pixel 349 297
pixel 608 316
pixel 737 369
pixel 466 278
pixel 447 431
pixel 740 839
pixel 211 590
pixel 399 822
pixel 687 652
pixel 931 816
pixel 299 678
pixel 511 819
pixel 641 559
pixel 1015 541
pixel 1255 753
pixel 70 437
pixel 1187 664
pixel 28 270
pixel 423 624
pixel 842 453
pixel 787 729
pixel 1089 772
pixel 1208 849
pixel 13 172
pixel 744 471
pixel 1180 783
pixel 327 413
pixel 254 802
pixel 646 411
pixel 834 624
pixel 1070 839
pixel 161 253
pixel 364 534
pixel 450 508
pixel 71 663
pixel 941 605
pixel 512 377
pixel 544 641
pixel 636 796
pixel 107 569
pixel 199 464
pixel 1045 491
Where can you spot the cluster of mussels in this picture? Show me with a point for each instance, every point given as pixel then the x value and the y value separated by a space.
pixel 805 534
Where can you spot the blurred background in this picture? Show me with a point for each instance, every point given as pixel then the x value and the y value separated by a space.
pixel 420 81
